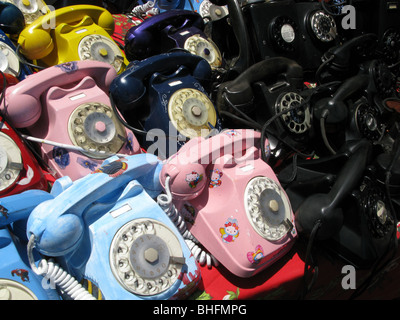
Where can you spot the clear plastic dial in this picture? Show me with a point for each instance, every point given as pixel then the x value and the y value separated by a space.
pixel 146 257
pixel 100 48
pixel 268 208
pixel 93 126
pixel 205 49
pixel 10 161
pixel 9 62
pixel 31 9
pixel 191 112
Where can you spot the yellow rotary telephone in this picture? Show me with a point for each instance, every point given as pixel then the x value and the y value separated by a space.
pixel 72 33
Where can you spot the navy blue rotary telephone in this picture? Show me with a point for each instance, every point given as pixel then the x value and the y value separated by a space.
pixel 165 97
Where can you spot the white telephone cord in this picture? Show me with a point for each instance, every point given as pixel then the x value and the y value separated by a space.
pixel 52 272
pixel 165 202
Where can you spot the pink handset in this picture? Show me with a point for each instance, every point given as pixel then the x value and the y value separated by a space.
pixel 231 200
pixel 67 108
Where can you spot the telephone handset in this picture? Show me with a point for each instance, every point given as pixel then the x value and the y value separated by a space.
pixel 12 20
pixel 19 170
pixel 265 90
pixel 17 279
pixel 343 60
pixel 68 109
pixel 242 57
pixel 342 193
pixel 107 228
pixel 167 89
pixel 81 32
pixel 9 61
pixel 328 207
pixel 31 10
pixel 168 30
pixel 231 201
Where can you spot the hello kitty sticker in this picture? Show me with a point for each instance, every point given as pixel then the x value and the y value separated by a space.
pixel 230 231
pixel 215 179
pixel 193 179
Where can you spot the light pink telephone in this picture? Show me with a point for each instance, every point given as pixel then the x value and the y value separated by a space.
pixel 67 108
pixel 231 200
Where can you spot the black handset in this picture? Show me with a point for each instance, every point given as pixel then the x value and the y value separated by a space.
pixel 343 60
pixel 243 60
pixel 334 109
pixel 331 115
pixel 239 91
pixel 326 208
pixel 361 226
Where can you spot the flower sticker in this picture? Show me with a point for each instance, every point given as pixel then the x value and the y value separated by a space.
pixel 129 142
pixel 87 163
pixel 61 157
pixel 68 67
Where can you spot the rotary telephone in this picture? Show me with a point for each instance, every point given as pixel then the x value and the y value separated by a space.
pixel 168 30
pixel 73 33
pixel 106 228
pixel 19 170
pixel 66 108
pixel 263 92
pixel 165 93
pixel 31 9
pixel 301 31
pixel 17 279
pixel 357 109
pixel 9 62
pixel 342 195
pixel 231 201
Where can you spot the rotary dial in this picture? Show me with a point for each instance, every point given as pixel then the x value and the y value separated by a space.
pixel 146 257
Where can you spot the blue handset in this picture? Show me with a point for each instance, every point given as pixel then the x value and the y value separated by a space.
pixel 17 279
pixel 106 228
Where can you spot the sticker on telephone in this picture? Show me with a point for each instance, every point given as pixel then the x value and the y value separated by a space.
pixel 117 212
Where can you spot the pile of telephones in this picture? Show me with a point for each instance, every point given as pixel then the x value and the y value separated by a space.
pixel 217 134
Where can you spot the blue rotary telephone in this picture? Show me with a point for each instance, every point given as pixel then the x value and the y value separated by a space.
pixel 107 229
pixel 165 97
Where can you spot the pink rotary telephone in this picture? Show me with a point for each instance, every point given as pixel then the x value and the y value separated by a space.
pixel 231 200
pixel 67 108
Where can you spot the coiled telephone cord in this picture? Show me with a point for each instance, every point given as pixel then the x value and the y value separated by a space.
pixel 52 272
pixel 200 254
